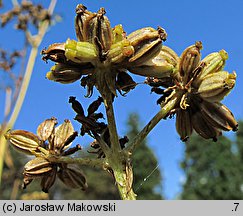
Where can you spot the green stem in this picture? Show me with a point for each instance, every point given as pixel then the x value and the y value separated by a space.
pixel 153 122
pixel 112 126
pixel 94 162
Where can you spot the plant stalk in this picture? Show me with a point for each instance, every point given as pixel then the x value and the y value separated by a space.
pixel 153 122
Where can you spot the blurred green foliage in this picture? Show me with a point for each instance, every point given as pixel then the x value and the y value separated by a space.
pixel 214 170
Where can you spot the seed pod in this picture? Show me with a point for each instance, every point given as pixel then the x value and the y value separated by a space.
pixel 80 52
pixel 23 141
pixel 125 82
pixel 55 52
pixel 146 43
pixel 120 51
pixel 82 15
pixel 77 107
pixel 94 106
pixel 73 177
pixel 62 133
pixel 190 59
pixel 183 124
pixel 97 28
pixel 160 66
pixel 48 180
pixel 37 167
pixel 64 74
pixel 203 127
pixel 216 86
pixel 219 116
pixel 214 62
pixel 46 128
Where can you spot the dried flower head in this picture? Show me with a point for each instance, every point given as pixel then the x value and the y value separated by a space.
pixel 50 140
pixel 26 13
pixel 201 85
pixel 105 54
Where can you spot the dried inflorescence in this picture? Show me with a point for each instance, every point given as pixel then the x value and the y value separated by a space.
pixel 200 85
pixel 93 127
pixel 8 60
pixel 90 123
pixel 105 54
pixel 49 141
pixel 26 13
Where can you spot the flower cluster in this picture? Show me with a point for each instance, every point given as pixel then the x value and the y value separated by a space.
pixel 201 85
pixel 49 141
pixel 105 55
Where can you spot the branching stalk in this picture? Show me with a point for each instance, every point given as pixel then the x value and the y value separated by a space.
pixel 94 162
pixel 152 123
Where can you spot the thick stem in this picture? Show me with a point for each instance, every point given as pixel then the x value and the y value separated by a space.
pixel 124 180
pixel 153 122
pixel 117 160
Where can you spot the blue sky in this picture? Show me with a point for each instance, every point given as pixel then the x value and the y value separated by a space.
pixel 218 24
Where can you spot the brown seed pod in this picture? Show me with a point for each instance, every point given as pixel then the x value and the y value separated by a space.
pixel 46 128
pixel 55 52
pixel 47 181
pixel 73 177
pixel 23 141
pixel 184 124
pixel 147 44
pixel 37 167
pixel 190 59
pixel 94 106
pixel 62 133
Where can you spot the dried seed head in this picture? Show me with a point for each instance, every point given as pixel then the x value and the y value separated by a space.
pixel 203 127
pixel 23 141
pixel 214 87
pixel 94 106
pixel 146 43
pixel 73 177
